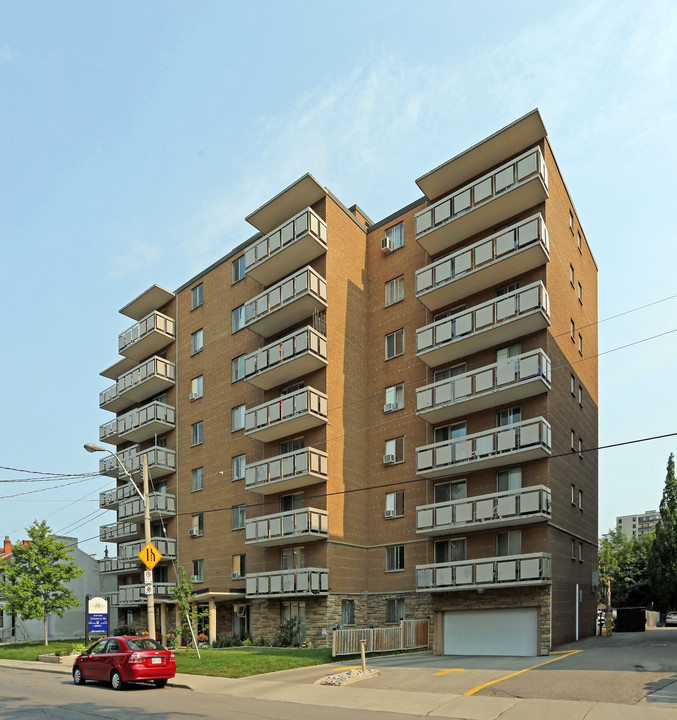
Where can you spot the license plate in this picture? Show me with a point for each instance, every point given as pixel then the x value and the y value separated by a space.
pixel 156 661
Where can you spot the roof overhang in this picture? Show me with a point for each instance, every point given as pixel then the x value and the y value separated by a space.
pixel 222 596
pixel 119 368
pixel 152 299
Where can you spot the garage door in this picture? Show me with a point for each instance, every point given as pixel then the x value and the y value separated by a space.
pixel 491 632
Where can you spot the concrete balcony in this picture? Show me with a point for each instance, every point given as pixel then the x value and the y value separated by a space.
pixel 290 357
pixel 491 261
pixel 304 582
pixel 509 381
pixel 287 472
pixel 287 415
pixel 497 322
pixel 147 336
pixel 287 528
pixel 115 566
pixel 507 445
pixel 285 304
pixel 161 462
pixel 507 191
pixel 295 243
pixel 496 572
pixel 161 505
pixel 110 499
pixel 512 507
pixel 145 380
pixel 140 424
pixel 128 552
pixel 135 595
pixel 119 532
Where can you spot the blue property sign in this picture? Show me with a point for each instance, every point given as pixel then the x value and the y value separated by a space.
pixel 97 615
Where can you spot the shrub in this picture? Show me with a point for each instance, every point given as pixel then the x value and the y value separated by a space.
pixel 77 648
pixel 124 630
pixel 246 642
pixel 287 632
pixel 260 642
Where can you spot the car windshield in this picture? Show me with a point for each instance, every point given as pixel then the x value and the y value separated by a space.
pixel 143 644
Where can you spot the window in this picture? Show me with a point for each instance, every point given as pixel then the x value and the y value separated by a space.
pixel 396 236
pixel 288 503
pixel 580 448
pixel 580 343
pixel 239 516
pixel 289 446
pixel 449 372
pixel 580 395
pixel 395 558
pixel 196 342
pixel 196 433
pixel 447 551
pixel 289 389
pixel 571 275
pixel 573 549
pixel 571 221
pixel 504 354
pixel 509 543
pixel 572 330
pixel 237 368
pixel 573 385
pixel 509 480
pixel 238 467
pixel 395 396
pixel 580 499
pixel 394 450
pixel 449 432
pixel 198 475
pixel 238 318
pixel 198 524
pixel 580 294
pixel 239 566
pixel 394 610
pixel 237 417
pixel 508 416
pixel 580 247
pixel 580 552
pixel 347 612
pixel 394 290
pixel 198 570
pixel 395 344
pixel 292 558
pixel 573 494
pixel 573 440
pixel 196 297
pixel 395 504
pixel 448 313
pixel 449 491
pixel 507 289
pixel 238 269
pixel 196 387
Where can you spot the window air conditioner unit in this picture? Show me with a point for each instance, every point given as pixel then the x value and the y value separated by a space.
pixel 389 407
pixel 388 459
pixel 390 513
pixel 235 575
pixel 385 245
pixel 193 532
pixel 242 611
pixel 193 396
pixel 195 578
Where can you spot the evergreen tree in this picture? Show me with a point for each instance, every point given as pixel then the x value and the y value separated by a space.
pixel 663 555
pixel 36 577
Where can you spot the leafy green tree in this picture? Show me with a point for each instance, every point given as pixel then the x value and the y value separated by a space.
pixel 663 556
pixel 36 576
pixel 623 569
pixel 185 598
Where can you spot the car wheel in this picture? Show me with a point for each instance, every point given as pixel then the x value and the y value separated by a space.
pixel 78 678
pixel 160 683
pixel 116 680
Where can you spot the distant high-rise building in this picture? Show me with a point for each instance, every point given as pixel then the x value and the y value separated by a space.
pixel 638 525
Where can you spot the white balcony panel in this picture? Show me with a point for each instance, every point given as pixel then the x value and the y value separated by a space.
pixel 510 571
pixel 287 415
pixel 128 552
pixel 517 443
pixel 491 261
pixel 119 532
pixel 108 432
pixel 285 304
pixel 297 526
pixel 287 472
pixel 520 377
pixel 160 505
pixel 115 566
pixel 145 422
pixel 289 358
pixel 496 322
pixel 514 507
pixel 287 583
pixel 135 595
pixel 295 243
pixel 110 499
pixel 143 381
pixel 503 193
pixel 147 336
pixel 161 461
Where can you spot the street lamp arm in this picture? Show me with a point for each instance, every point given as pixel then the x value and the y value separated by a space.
pixel 93 447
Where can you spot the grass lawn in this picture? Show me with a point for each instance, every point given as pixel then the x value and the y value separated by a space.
pixel 31 650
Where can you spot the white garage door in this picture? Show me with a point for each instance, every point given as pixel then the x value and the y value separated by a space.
pixel 491 632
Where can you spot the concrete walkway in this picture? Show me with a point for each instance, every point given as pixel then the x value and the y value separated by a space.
pixel 297 686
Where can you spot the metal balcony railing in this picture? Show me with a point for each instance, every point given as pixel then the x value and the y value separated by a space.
pixel 286 583
pixel 288 414
pixel 302 525
pixel 116 532
pixel 161 461
pixel 115 565
pixel 135 595
pixel 159 504
pixel 128 552
pixel 110 499
pixel 146 379
pixel 141 423
pixel 147 336
pixel 287 472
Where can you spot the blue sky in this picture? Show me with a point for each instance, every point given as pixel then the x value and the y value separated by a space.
pixel 135 138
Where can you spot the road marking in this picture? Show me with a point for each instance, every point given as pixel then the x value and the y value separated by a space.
pixel 444 672
pixel 562 655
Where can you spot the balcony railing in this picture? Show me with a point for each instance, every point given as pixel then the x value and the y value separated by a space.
pixel 496 572
pixel 161 461
pixel 113 565
pixel 288 358
pixel 287 472
pixel 503 382
pixel 160 505
pixel 295 526
pixel 512 507
pixel 516 443
pixel 286 415
pixel 135 595
pixel 286 303
pixel 110 499
pixel 113 599
pixel 128 552
pixel 146 337
pixel 492 260
pixel 119 531
pixel 496 322
pixel 140 424
pixel 501 194
pixel 286 583
pixel 141 382
pixel 296 242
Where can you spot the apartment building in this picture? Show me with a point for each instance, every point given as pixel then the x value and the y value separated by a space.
pixel 357 422
pixel 638 525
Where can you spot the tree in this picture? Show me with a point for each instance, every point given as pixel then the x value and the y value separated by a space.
pixel 36 576
pixel 663 556
pixel 185 599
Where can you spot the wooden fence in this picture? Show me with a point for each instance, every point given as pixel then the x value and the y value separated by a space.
pixel 410 635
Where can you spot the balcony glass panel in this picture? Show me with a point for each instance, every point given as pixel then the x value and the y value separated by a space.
pixel 302 525
pixel 135 595
pixel 128 552
pixel 147 336
pixel 287 414
pixel 146 379
pixel 287 472
pixel 302 581
pixel 115 532
pixel 159 505
pixel 110 499
pixel 112 565
pixel 161 461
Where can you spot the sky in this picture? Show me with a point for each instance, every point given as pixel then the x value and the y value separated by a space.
pixel 136 137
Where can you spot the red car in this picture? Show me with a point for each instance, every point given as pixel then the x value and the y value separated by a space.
pixel 120 660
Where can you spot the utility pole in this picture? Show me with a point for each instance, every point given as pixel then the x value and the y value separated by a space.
pixel 146 525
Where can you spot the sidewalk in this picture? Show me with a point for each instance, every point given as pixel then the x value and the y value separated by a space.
pixel 441 705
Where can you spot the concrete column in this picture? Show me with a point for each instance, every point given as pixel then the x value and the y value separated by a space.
pixel 163 623
pixel 212 620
